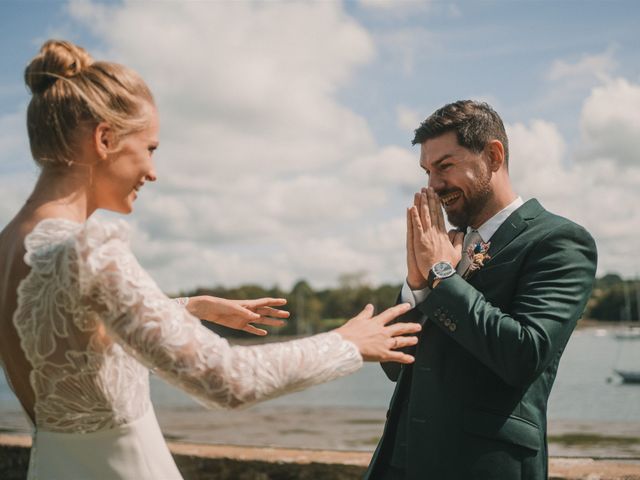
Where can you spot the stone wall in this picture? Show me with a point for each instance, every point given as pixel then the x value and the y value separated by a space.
pixel 200 462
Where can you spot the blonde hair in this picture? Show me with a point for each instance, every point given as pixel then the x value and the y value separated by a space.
pixel 71 92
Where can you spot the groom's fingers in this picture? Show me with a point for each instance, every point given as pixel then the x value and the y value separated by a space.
pixel 425 217
pixel 416 223
pixel 416 199
pixel 458 239
pixel 433 207
pixel 411 255
pixel 437 215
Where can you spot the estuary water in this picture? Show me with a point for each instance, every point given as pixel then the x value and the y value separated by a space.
pixel 586 389
pixel 588 400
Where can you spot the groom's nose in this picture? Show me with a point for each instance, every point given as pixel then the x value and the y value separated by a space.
pixel 435 182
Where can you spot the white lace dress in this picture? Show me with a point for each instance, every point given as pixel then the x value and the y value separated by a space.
pixel 92 322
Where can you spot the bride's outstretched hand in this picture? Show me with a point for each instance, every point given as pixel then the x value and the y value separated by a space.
pixel 239 314
pixel 376 339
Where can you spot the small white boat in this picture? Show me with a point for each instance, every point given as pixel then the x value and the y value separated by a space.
pixel 629 376
pixel 632 333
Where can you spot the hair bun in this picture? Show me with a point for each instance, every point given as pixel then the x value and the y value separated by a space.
pixel 57 58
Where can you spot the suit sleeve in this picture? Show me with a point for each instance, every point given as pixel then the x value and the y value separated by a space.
pixel 553 287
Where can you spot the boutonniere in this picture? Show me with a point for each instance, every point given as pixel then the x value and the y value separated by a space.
pixel 478 255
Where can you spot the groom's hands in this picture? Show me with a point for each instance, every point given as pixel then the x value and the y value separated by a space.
pixel 427 239
pixel 415 279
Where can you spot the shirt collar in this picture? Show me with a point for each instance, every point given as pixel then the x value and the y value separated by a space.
pixel 488 228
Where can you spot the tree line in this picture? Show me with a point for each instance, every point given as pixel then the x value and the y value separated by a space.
pixel 316 310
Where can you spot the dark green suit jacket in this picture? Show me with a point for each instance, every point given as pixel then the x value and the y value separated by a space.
pixel 488 355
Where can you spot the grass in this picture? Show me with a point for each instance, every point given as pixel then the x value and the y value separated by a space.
pixel 589 439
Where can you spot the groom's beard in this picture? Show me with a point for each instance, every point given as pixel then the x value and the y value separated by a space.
pixel 475 203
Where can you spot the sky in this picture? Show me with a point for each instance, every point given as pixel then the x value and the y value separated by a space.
pixel 286 127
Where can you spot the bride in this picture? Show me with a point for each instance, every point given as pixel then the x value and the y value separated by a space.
pixel 81 322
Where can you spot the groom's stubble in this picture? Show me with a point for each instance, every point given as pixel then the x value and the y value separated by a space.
pixel 478 198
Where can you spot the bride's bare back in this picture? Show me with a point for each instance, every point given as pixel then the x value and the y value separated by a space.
pixel 12 271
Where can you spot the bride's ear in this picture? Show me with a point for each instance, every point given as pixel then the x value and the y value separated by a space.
pixel 104 140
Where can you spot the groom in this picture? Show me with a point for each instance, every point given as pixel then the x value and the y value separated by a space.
pixel 498 300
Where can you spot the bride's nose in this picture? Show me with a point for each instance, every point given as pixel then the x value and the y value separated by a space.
pixel 151 176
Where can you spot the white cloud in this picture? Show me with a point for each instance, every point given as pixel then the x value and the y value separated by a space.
pixel 264 175
pixel 610 122
pixel 403 49
pixel 570 81
pixel 454 10
pixel 596 66
pixel 599 194
pixel 536 155
pixel 407 118
pixel 389 167
pixel 397 7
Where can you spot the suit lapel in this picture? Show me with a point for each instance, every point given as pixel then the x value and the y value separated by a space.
pixel 515 224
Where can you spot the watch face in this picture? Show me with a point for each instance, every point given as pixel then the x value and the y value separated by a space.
pixel 443 270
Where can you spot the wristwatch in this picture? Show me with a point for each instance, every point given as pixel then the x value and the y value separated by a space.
pixel 438 272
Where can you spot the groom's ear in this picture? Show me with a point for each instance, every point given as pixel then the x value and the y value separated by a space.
pixel 495 152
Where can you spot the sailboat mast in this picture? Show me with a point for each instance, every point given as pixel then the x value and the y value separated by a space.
pixel 637 282
pixel 627 301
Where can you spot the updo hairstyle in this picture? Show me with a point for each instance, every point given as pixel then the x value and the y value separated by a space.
pixel 71 94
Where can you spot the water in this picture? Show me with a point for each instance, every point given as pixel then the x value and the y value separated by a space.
pixel 581 391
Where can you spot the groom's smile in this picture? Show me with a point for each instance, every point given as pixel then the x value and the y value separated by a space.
pixel 450 199
pixel 459 176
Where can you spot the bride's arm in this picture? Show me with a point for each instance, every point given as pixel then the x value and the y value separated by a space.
pixel 237 314
pixel 165 337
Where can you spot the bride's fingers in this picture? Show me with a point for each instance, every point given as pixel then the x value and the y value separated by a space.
pixel 399 357
pixel 403 328
pixel 393 312
pixel 272 322
pixel 254 330
pixel 265 302
pixel 272 312
pixel 245 313
pixel 367 312
pixel 401 342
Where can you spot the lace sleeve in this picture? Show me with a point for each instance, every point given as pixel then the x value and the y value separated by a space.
pixel 162 335
pixel 182 301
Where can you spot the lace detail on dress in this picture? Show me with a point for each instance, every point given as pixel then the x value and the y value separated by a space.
pixel 87 311
pixel 82 379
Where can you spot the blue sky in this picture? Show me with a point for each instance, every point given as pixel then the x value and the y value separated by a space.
pixel 286 126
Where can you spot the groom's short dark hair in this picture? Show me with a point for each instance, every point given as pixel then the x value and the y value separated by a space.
pixel 475 124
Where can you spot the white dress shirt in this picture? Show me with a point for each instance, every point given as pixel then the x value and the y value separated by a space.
pixel 486 231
